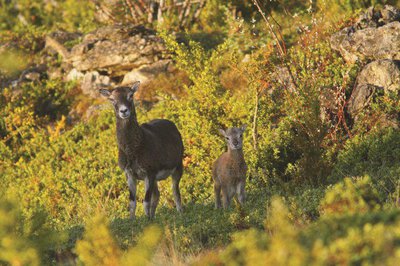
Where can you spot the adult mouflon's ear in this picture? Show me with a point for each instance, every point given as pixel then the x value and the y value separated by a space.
pixel 105 92
pixel 135 86
pixel 222 132
pixel 243 127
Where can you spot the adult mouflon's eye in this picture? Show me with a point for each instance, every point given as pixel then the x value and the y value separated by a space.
pixel 241 135
pixel 227 138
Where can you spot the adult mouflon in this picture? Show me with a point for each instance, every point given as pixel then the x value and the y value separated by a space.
pixel 151 151
pixel 229 170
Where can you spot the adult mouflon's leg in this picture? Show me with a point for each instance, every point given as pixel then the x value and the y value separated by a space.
pixel 155 197
pixel 176 178
pixel 131 179
pixel 149 184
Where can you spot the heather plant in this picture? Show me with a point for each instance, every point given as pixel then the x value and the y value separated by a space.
pixel 68 14
pixel 63 169
pixel 355 239
pixel 374 154
pixel 352 195
pixel 25 240
pixel 98 246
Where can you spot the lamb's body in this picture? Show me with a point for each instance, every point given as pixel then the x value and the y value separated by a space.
pixel 150 152
pixel 229 172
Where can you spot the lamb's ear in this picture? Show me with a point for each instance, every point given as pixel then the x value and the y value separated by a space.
pixel 135 86
pixel 243 127
pixel 106 93
pixel 222 132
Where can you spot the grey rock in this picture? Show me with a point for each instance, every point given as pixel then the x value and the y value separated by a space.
pixel 360 98
pixel 369 43
pixel 375 35
pixel 114 54
pixel 376 78
pixel 146 72
pixel 282 77
pixel 92 81
pixel 384 74
pixel 117 49
pixel 74 74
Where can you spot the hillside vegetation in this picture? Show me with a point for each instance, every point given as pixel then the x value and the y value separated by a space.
pixel 322 142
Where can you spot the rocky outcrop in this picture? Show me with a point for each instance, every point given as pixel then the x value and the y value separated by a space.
pixel 117 49
pixel 380 77
pixel 375 35
pixel 373 39
pixel 113 55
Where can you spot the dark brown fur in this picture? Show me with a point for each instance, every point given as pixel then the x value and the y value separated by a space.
pixel 150 152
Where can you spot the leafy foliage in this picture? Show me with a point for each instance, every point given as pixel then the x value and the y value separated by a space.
pixel 320 189
pixel 350 196
pixel 375 155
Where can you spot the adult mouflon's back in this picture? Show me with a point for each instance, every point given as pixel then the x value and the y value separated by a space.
pixel 150 152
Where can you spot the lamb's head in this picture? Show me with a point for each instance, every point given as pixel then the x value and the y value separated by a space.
pixel 122 99
pixel 234 137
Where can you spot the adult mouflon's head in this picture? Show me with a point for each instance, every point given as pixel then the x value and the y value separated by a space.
pixel 122 99
pixel 234 137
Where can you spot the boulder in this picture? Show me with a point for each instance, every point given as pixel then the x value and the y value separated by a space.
pixel 377 78
pixel 384 74
pixel 115 55
pixel 283 77
pixel 375 35
pixel 146 72
pixel 117 49
pixel 92 81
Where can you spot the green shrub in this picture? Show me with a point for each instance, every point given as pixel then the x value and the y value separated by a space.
pixel 71 15
pixel 376 155
pixel 368 238
pixel 352 195
pixel 70 170
pixel 98 246
pixel 25 240
pixel 329 227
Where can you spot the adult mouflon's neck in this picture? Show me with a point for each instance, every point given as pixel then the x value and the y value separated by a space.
pixel 129 133
pixel 236 153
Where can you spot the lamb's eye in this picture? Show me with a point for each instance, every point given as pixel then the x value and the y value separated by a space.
pixel 241 135
pixel 227 138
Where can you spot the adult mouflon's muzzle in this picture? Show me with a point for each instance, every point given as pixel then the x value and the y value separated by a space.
pixel 124 112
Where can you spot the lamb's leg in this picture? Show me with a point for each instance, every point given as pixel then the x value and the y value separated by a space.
pixel 132 192
pixel 149 188
pixel 225 197
pixel 154 200
pixel 241 193
pixel 217 194
pixel 176 178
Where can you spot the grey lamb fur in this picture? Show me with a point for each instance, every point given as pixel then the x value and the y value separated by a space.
pixel 150 152
pixel 229 170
